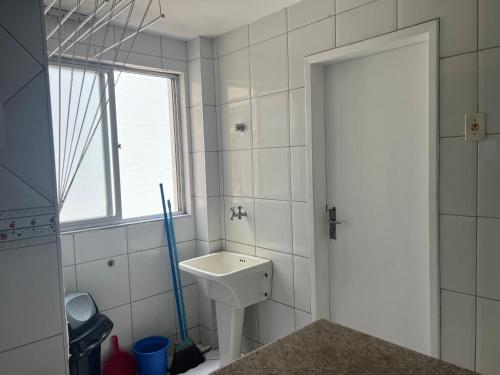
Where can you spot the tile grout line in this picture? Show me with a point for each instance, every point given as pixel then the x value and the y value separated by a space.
pixel 477 187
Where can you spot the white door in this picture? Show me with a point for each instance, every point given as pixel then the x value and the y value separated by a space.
pixel 377 161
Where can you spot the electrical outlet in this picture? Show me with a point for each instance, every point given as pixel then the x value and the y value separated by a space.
pixel 475 127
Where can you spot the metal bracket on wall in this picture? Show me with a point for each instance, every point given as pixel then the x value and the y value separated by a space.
pixel 333 222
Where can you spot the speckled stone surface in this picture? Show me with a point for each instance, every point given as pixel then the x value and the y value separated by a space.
pixel 327 348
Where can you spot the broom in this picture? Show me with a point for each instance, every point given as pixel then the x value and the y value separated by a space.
pixel 186 353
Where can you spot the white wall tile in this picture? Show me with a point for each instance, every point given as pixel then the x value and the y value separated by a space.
pixel 206 174
pixel 268 27
pixel 367 21
pixel 144 43
pixel 184 228
pixel 282 284
pixel 214 221
pixel 69 278
pixel 209 337
pixel 273 225
pixel 240 248
pixel 208 81
pixel 457 92
pixel 488 336
pixel 138 59
pixel 108 285
pixel 489 177
pixel 489 27
pixel 201 218
pixel 122 327
pixel 232 41
pixel 30 283
pixel 300 226
pixel 308 40
pixel 194 334
pixel 26 29
pixel 275 321
pixel 344 5
pixel 234 74
pixel 457 249
pixel 232 114
pixel 154 316
pixel 458 21
pixel 100 244
pixel 146 235
pixel 488 258
pixel 67 250
pixel 42 357
pixel 33 122
pixel 298 161
pixel 199 175
pixel 270 121
pixel 194 72
pixel 199 47
pixel 212 173
pixel 149 273
pixel 301 319
pixel 269 66
pixel 197 129
pixel 174 49
pixel 241 231
pixel 272 173
pixel 186 250
pixel 458 318
pixel 297 117
pixel 208 247
pixel 309 11
pixel 238 173
pixel 458 169
pixel 489 88
pixel 210 128
pixel 302 283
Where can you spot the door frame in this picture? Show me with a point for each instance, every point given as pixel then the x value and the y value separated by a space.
pixel 318 235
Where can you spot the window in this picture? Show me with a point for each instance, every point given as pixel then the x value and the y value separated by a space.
pixel 116 138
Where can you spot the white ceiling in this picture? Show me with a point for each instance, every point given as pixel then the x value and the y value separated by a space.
pixel 187 19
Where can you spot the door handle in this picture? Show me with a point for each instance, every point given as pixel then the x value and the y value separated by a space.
pixel 333 222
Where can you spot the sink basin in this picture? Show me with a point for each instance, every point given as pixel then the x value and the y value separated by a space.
pixel 234 281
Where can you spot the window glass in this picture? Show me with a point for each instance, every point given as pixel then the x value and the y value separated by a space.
pixel 90 182
pixel 125 131
pixel 146 138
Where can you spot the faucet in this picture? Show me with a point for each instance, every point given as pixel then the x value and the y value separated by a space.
pixel 239 214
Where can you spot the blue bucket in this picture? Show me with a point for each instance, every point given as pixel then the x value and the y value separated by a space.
pixel 151 354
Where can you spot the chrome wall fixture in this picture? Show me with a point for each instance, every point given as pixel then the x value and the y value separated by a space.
pixel 240 127
pixel 238 214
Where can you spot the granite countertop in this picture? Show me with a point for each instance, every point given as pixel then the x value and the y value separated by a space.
pixel 324 347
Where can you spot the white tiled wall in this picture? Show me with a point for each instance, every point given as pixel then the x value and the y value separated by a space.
pixel 263 168
pixel 32 339
pixel 131 283
pixel 126 268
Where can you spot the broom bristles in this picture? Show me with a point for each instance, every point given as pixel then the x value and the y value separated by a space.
pixel 186 357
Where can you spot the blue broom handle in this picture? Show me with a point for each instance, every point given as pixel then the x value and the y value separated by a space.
pixel 172 262
pixel 178 272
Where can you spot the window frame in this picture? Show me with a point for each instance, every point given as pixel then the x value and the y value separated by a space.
pixel 110 140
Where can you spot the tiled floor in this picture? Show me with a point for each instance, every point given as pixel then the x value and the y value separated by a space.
pixel 211 364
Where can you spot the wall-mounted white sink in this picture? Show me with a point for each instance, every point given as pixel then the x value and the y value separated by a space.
pixel 234 281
